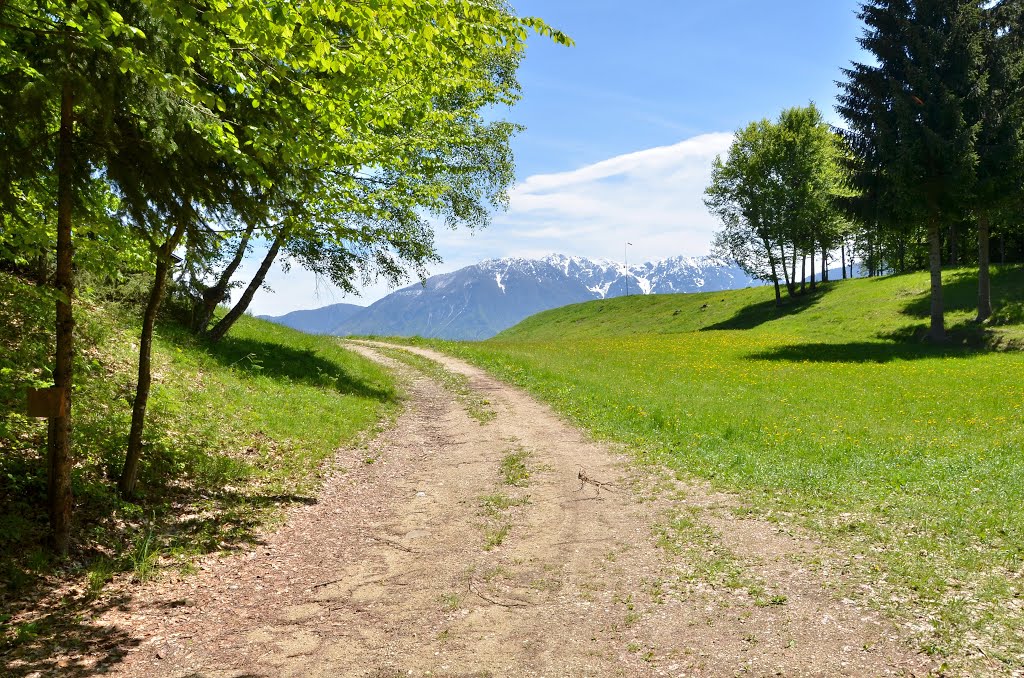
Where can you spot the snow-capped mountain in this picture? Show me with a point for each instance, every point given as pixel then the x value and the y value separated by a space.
pixel 479 301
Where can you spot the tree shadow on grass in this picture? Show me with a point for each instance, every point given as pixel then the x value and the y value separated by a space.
pixel 755 315
pixel 965 339
pixel 960 293
pixel 293 365
pixel 862 352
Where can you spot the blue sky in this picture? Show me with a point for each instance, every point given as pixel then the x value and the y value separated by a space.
pixel 621 128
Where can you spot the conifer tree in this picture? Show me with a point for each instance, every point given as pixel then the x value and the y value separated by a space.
pixel 914 117
pixel 1001 138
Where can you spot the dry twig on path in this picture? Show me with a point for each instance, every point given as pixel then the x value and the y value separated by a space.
pixel 516 603
pixel 587 480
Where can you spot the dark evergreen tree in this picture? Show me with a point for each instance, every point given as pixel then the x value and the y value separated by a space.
pixel 914 117
pixel 1001 138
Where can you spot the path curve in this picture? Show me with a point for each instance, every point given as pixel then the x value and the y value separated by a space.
pixel 418 560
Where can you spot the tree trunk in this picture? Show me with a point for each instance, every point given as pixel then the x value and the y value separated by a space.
pixel 217 332
pixel 842 257
pixel 984 281
pixel 954 251
pixel 785 269
pixel 775 272
pixel 938 320
pixel 130 472
pixel 42 271
pixel 814 282
pixel 59 446
pixel 792 276
pixel 803 273
pixel 212 296
pixel 871 258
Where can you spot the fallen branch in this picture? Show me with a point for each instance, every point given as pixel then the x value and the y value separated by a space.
pixel 517 603
pixel 587 480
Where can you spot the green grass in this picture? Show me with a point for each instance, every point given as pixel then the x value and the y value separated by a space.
pixel 236 432
pixel 513 469
pixel 494 536
pixel 830 412
pixel 476 406
pixel 892 307
pixel 451 602
pixel 495 504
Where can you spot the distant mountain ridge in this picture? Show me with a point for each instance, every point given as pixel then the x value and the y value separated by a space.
pixel 316 321
pixel 479 301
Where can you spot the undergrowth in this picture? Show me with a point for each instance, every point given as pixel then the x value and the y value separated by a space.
pixel 236 432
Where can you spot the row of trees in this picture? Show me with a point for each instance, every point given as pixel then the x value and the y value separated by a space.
pixel 134 133
pixel 776 196
pixel 933 148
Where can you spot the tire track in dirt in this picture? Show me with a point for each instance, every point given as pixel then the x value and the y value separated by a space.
pixel 387 575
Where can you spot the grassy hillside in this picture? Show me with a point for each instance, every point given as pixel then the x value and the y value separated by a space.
pixel 872 309
pixel 236 431
pixel 829 413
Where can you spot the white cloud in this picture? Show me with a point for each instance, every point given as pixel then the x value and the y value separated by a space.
pixel 651 198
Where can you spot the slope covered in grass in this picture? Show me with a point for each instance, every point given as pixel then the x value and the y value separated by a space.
pixel 850 310
pixel 829 413
pixel 236 431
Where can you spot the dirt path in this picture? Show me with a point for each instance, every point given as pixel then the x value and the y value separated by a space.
pixel 421 560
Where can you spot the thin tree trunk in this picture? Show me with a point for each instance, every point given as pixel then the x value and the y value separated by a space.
pixel 217 332
pixel 59 490
pixel 42 271
pixel 814 282
pixel 785 269
pixel 954 251
pixel 792 276
pixel 775 273
pixel 212 296
pixel 130 472
pixel 938 320
pixel 842 257
pixel 984 281
pixel 803 273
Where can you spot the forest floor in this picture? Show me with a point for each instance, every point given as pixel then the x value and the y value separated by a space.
pixel 498 540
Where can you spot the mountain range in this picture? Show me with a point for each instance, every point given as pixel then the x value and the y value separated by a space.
pixel 479 301
pixel 318 320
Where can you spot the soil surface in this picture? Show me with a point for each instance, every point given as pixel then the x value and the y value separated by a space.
pixel 420 559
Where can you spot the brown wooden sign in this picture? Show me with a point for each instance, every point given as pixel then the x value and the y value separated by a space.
pixel 47 403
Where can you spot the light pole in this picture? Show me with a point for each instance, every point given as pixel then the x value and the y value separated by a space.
pixel 625 266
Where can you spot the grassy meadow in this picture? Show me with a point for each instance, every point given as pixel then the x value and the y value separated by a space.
pixel 236 432
pixel 829 413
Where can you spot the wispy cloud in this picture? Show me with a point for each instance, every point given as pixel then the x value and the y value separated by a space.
pixel 652 198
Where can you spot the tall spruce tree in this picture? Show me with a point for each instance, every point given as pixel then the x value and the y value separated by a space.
pixel 914 116
pixel 1001 138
